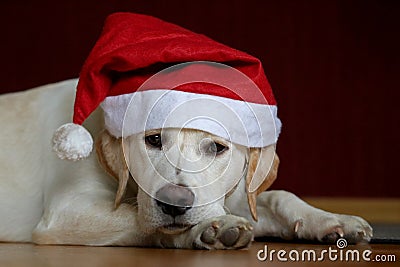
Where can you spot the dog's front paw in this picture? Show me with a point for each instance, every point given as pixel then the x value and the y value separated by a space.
pixel 355 229
pixel 328 227
pixel 224 232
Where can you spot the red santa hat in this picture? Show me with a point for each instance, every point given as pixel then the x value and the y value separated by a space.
pixel 149 74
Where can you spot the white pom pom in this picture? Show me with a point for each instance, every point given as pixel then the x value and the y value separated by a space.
pixel 72 141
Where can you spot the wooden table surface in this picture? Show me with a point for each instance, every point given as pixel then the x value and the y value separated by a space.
pixel 16 255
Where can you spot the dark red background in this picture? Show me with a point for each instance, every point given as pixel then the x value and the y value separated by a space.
pixel 334 67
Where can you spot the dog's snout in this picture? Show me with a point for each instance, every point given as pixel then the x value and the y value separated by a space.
pixel 174 200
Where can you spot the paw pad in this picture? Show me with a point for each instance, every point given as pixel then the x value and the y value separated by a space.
pixel 208 236
pixel 230 236
pixel 225 232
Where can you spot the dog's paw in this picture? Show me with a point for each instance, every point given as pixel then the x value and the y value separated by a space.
pixel 328 228
pixel 356 229
pixel 224 232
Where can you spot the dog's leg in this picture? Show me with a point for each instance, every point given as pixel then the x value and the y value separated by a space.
pixel 222 232
pixel 95 223
pixel 282 214
pixel 79 209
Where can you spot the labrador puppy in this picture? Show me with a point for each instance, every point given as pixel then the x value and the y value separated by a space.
pixel 175 188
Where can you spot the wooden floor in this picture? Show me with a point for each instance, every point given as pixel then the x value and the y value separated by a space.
pixel 16 255
pixel 374 210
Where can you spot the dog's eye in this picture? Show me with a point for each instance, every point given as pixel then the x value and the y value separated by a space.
pixel 154 140
pixel 217 148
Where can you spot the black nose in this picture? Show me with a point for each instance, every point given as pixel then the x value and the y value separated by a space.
pixel 174 200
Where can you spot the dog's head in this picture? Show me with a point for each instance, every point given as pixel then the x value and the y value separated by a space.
pixel 182 176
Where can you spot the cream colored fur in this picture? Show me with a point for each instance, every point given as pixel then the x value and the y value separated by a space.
pixel 46 200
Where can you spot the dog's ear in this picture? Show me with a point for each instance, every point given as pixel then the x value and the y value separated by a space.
pixel 111 157
pixel 262 171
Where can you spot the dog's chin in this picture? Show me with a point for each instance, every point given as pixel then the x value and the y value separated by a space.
pixel 174 228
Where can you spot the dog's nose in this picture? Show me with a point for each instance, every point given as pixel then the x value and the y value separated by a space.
pixel 174 200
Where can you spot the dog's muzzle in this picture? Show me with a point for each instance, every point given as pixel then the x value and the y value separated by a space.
pixel 174 200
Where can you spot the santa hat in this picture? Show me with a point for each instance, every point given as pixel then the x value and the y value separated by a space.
pixel 149 74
